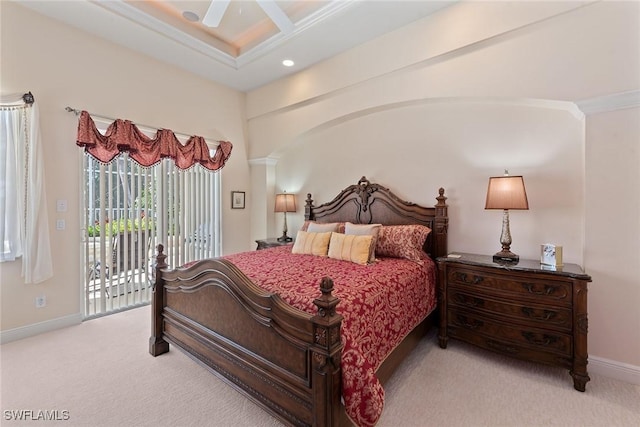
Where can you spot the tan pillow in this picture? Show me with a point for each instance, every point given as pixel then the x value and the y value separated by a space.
pixel 363 230
pixel 311 243
pixel 348 247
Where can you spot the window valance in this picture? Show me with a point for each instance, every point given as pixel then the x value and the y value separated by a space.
pixel 123 135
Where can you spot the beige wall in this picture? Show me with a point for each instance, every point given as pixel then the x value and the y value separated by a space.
pixel 65 67
pixel 438 103
pixel 417 149
pixel 612 253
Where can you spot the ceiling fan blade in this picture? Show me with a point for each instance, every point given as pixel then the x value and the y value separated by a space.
pixel 277 15
pixel 214 14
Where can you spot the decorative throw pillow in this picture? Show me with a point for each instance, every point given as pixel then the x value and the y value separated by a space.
pixel 365 230
pixel 311 243
pixel 402 241
pixel 349 247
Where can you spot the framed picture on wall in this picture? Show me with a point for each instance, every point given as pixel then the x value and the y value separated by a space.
pixel 237 200
pixel 551 255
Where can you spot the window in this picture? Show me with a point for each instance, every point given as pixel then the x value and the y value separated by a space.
pixel 139 191
pixel 24 225
pixel 128 210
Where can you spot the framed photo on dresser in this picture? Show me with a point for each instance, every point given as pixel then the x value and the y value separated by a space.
pixel 551 255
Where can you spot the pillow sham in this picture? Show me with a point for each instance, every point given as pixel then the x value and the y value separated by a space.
pixel 311 243
pixel 317 226
pixel 364 230
pixel 402 241
pixel 349 247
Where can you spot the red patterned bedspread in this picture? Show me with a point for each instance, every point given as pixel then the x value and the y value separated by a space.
pixel 381 303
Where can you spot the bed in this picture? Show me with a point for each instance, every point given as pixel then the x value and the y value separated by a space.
pixel 292 350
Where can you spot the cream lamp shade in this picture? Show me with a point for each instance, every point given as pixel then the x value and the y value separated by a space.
pixel 285 202
pixel 506 192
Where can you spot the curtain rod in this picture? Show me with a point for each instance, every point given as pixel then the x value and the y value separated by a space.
pixel 140 125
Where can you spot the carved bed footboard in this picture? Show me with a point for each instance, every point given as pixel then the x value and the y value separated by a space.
pixel 282 358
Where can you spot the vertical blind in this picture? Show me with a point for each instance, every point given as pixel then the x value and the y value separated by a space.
pixel 129 209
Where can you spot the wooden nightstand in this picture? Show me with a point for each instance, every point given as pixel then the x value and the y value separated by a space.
pixel 522 310
pixel 270 243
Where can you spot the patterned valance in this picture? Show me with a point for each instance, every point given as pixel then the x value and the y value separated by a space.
pixel 123 135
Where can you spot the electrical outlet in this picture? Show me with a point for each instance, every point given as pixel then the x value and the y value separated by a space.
pixel 41 301
pixel 61 205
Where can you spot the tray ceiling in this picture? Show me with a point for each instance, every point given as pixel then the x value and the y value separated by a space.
pixel 239 43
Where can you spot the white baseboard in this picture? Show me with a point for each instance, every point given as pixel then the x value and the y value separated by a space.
pixel 39 328
pixel 613 369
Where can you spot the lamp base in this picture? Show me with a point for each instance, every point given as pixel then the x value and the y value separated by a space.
pixel 285 238
pixel 506 257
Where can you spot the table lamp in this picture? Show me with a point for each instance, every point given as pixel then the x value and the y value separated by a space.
pixel 506 192
pixel 285 202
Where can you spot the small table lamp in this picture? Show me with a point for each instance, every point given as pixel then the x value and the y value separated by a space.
pixel 285 202
pixel 506 192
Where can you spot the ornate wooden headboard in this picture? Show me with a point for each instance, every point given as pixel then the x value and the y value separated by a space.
pixel 367 203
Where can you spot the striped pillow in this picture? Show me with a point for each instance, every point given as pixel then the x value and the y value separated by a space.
pixel 365 229
pixel 311 243
pixel 349 247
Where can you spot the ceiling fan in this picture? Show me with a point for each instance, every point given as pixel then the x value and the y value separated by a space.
pixel 217 9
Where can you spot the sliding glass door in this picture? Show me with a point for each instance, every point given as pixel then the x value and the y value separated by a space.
pixel 127 211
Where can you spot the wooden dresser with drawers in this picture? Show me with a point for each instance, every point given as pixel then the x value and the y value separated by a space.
pixel 523 310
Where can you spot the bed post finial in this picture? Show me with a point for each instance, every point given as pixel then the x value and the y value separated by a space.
pixel 327 302
pixel 441 224
pixel 308 208
pixel 161 257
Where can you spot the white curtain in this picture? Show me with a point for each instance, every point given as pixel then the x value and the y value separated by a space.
pixel 24 224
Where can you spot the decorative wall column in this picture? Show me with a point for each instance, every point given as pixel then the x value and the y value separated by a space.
pixel 262 193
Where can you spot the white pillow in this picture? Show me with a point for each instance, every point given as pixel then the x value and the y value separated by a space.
pixel 318 227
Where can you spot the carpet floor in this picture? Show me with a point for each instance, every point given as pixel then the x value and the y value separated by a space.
pixel 99 373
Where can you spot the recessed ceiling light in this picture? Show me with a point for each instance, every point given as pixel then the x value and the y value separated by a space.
pixel 190 16
pixel 288 63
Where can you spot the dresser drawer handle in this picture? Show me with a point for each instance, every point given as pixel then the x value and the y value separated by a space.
pixel 544 341
pixel 548 290
pixel 468 301
pixel 501 347
pixel 464 322
pixel 462 277
pixel 548 314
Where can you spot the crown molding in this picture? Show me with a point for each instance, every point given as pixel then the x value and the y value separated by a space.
pixel 302 25
pixel 134 14
pixel 612 102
